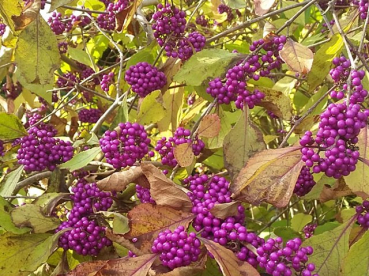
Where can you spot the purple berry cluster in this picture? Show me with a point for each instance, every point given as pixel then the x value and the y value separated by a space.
pixel 86 236
pixel 1 147
pixel 325 26
pixel 309 230
pixel 106 81
pixel 58 25
pixel 40 150
pixel 89 115
pixel 363 8
pixel 12 91
pixel 68 79
pixel 234 88
pixel 225 9
pixel 202 21
pixel 165 146
pixel 340 74
pixel 362 212
pixel 284 261
pixel 305 182
pixel 143 194
pixel 169 31
pixel 2 29
pixel 125 145
pixel 63 47
pixel 337 135
pixel 177 248
pixel 145 78
pixel 107 21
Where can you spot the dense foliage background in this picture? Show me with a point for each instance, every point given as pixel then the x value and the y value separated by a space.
pixel 184 137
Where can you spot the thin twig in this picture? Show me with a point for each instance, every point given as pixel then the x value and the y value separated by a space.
pixel 30 180
pixel 79 9
pixel 307 113
pixel 252 21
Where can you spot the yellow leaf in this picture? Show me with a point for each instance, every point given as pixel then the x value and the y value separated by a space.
pixel 37 54
pixel 9 9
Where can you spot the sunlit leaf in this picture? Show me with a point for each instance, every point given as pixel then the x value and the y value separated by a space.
pixel 263 6
pixel 9 9
pixel 151 109
pixel 205 64
pixel 28 15
pixel 6 221
pixel 11 127
pixel 299 221
pixel 183 154
pixel 11 180
pixel 298 57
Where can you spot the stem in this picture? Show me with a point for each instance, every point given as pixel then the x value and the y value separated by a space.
pixel 30 180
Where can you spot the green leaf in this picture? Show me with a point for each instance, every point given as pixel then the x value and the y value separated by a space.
pixel 358 180
pixel 11 127
pixel 80 56
pixel 323 61
pixel 299 221
pixel 5 58
pixel 151 109
pixel 120 224
pixel 244 140
pixel 330 248
pixel 203 65
pixel 48 201
pixel 286 233
pixel 235 4
pixel 212 269
pixel 285 85
pixel 37 54
pixel 9 9
pixel 31 215
pixel 319 108
pixel 11 181
pixel 357 260
pixel 25 253
pixel 81 159
pixel 6 221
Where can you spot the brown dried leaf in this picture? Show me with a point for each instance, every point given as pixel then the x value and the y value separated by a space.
pixel 73 127
pixel 298 57
pixel 138 266
pixel 269 176
pixel 225 210
pixel 125 17
pixel 59 124
pixel 183 154
pixel 118 181
pixel 263 6
pixel 147 220
pixel 339 189
pixel 29 14
pixel 170 68
pixel 227 260
pixel 164 191
pixel 209 126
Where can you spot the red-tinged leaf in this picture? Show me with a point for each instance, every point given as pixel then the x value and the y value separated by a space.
pixel 125 17
pixel 227 260
pixel 183 154
pixel 164 191
pixel 209 126
pixel 269 28
pixel 358 180
pixel 330 249
pixel 269 176
pixel 225 210
pixel 138 266
pixel 243 141
pixel 298 57
pixel 118 181
pixel 147 220
pixel 263 6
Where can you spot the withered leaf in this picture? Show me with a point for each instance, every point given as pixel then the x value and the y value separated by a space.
pixel 209 126
pixel 183 154
pixel 147 220
pixel 298 57
pixel 269 176
pixel 225 210
pixel 263 6
pixel 164 191
pixel 118 181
